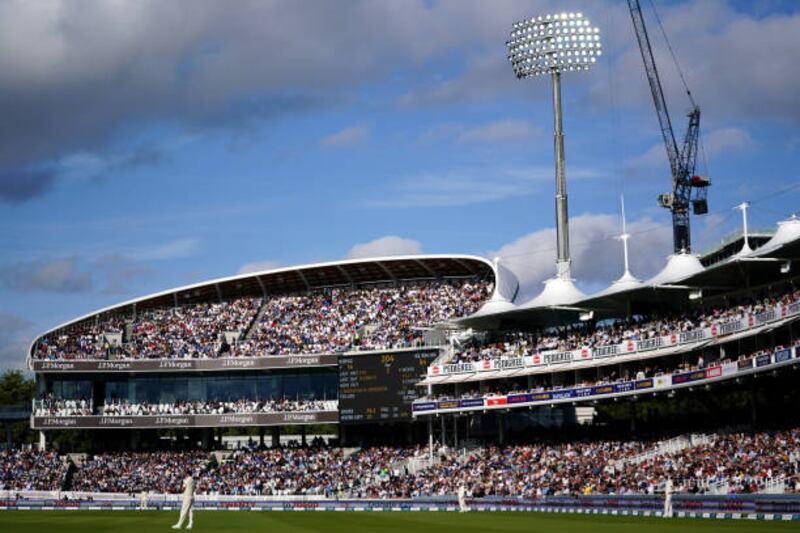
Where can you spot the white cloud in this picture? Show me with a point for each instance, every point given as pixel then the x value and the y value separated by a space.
pixel 347 137
pixel 727 140
pixel 385 246
pixel 172 250
pixel 596 254
pixel 258 266
pixel 468 186
pixel 500 131
pixel 717 142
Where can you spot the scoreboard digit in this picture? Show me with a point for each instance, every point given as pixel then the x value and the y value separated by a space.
pixel 380 387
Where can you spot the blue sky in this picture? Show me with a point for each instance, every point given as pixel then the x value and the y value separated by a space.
pixel 149 145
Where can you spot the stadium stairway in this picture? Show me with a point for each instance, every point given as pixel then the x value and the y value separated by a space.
pixel 672 446
pixel 251 327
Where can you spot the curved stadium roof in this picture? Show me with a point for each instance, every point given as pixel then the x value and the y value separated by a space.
pixel 302 278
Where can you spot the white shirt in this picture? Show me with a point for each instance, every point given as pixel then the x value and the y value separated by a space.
pixel 188 489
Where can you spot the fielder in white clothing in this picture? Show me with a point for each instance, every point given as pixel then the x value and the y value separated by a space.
pixel 668 499
pixel 187 503
pixel 462 499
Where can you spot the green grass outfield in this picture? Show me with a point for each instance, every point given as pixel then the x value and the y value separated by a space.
pixel 367 522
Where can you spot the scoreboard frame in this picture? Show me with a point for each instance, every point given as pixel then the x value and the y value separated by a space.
pixel 380 387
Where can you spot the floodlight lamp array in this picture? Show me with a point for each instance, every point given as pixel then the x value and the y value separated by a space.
pixel 560 42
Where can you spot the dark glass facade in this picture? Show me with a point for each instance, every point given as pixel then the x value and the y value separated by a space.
pixel 305 384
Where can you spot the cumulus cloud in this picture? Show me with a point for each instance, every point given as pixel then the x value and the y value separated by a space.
pixel 596 254
pixel 500 131
pixel 258 266
pixel 346 137
pixel 385 246
pixel 76 75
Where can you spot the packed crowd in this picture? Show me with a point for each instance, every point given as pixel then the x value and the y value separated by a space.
pixel 50 407
pixel 281 405
pixel 737 462
pixel 340 320
pixel 617 332
pixel 57 407
pixel 31 470
pixel 324 321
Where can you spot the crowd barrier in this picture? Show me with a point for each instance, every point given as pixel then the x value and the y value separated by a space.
pixel 769 506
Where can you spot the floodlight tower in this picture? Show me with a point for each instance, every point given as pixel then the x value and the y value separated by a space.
pixel 552 44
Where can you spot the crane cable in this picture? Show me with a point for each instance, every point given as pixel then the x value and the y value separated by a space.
pixel 672 52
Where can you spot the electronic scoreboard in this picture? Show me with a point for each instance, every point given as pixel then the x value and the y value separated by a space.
pixel 381 387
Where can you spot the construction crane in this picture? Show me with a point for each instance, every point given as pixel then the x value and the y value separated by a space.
pixel 688 189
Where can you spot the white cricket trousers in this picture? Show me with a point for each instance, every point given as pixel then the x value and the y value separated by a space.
pixel 187 507
pixel 668 507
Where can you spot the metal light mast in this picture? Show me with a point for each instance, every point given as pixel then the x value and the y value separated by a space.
pixel 550 45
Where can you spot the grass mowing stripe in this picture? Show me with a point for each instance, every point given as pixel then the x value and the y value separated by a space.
pixel 303 522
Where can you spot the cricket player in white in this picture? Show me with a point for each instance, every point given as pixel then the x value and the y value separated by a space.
pixel 187 503
pixel 668 499
pixel 462 499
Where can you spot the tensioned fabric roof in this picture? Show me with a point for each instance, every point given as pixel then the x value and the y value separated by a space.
pixel 775 262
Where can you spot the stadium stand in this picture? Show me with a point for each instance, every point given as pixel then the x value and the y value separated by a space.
pixel 738 462
pixel 324 321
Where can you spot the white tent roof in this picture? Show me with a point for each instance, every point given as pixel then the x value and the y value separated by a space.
pixel 678 267
pixel 788 231
pixel 557 291
pixel 625 283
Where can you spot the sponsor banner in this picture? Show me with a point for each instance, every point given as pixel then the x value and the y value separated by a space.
pixel 745 363
pixel 766 316
pixel 483 365
pixel 793 308
pixel 606 351
pixel 729 368
pixel 558 357
pixel 662 381
pixel 228 419
pixel 541 396
pixel 562 394
pixel 449 404
pixel 505 364
pixel 688 377
pixel 714 372
pixel 434 370
pixel 536 359
pixel 692 336
pixel 471 402
pixel 425 406
pixel 519 398
pixel 649 344
pixel 583 392
pixel 179 365
pixel 458 368
pixel 763 359
pixel 625 386
pixel 644 384
pixel 731 326
pixel 783 355
pixel 496 400
pixel 603 389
